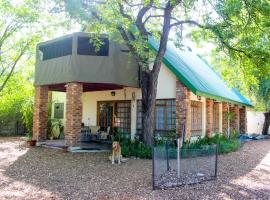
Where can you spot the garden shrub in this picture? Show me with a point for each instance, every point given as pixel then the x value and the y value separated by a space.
pixel 224 144
pixel 132 147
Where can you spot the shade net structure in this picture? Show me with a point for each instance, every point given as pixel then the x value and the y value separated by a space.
pixel 76 58
pixel 190 167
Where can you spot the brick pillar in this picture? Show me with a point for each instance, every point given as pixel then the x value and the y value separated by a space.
pixel 243 120
pixel 235 118
pixel 40 113
pixel 183 109
pixel 73 113
pixel 224 119
pixel 209 117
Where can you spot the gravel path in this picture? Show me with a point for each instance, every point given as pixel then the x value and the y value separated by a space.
pixel 39 173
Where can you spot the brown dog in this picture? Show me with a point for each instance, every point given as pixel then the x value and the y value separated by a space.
pixel 116 152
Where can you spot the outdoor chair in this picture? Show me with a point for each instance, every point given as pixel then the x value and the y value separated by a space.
pixel 85 134
pixel 95 132
pixel 105 134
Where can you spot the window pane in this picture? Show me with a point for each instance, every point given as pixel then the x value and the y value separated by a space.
pixel 85 47
pixel 56 49
pixel 160 118
pixel 59 110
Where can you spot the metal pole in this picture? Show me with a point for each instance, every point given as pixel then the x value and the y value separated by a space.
pixel 167 155
pixel 178 157
pixel 153 166
pixel 216 160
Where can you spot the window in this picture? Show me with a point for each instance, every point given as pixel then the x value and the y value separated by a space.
pixel 196 118
pixel 122 116
pixel 164 116
pixel 56 49
pixel 59 110
pixel 216 117
pixel 86 47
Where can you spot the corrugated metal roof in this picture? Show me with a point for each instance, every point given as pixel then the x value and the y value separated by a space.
pixel 198 76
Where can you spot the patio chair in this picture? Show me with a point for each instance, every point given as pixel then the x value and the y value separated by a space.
pixel 104 134
pixel 95 130
pixel 85 134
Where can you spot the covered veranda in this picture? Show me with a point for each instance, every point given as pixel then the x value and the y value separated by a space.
pixel 73 123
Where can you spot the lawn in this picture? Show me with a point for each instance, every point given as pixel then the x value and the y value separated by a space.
pixel 39 173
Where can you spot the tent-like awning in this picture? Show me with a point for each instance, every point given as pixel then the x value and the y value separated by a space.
pixel 198 76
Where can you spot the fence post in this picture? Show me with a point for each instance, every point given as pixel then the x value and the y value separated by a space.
pixel 178 157
pixel 167 155
pixel 153 167
pixel 216 160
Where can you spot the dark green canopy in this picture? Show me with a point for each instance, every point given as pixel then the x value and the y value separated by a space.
pixel 72 58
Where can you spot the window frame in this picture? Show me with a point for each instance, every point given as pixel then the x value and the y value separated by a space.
pixel 196 123
pixel 166 105
pixel 55 110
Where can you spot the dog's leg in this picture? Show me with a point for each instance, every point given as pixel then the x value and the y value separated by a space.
pixel 119 159
pixel 113 157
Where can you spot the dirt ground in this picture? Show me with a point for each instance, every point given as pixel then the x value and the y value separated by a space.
pixel 40 173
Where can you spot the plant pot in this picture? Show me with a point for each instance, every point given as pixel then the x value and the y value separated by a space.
pixel 32 143
pixel 65 149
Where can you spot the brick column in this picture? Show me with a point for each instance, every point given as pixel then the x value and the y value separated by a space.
pixel 235 118
pixel 73 113
pixel 183 109
pixel 224 119
pixel 209 117
pixel 243 120
pixel 40 113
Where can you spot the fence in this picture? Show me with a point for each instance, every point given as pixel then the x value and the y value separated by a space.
pixel 189 166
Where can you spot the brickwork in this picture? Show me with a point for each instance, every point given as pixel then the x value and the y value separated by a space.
pixel 243 120
pixel 73 113
pixel 224 119
pixel 40 113
pixel 235 118
pixel 183 109
pixel 209 117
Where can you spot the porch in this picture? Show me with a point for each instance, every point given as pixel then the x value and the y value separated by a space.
pixel 91 113
pixel 81 147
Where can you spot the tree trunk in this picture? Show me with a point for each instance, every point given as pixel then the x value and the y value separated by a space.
pixel 266 123
pixel 149 87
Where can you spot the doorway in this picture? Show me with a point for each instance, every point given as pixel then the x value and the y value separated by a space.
pixel 114 114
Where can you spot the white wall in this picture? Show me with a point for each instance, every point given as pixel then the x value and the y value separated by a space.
pixel 255 122
pixel 165 89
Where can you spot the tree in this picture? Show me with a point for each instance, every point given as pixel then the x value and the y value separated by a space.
pixel 245 62
pixel 137 20
pixel 22 25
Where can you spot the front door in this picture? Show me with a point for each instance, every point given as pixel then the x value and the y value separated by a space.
pixel 114 114
pixel 105 115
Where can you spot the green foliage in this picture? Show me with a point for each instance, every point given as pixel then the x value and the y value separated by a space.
pixel 27 115
pixel 243 56
pixel 132 147
pixel 53 126
pixel 224 144
pixel 23 24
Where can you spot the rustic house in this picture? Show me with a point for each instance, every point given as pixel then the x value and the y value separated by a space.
pixel 100 88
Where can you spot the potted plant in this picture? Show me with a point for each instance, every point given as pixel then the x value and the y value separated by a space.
pixel 56 126
pixel 30 141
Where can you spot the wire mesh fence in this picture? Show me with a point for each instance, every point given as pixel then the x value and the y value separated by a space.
pixel 174 167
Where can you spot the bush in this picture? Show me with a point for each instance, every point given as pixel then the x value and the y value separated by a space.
pixel 132 148
pixel 27 115
pixel 224 144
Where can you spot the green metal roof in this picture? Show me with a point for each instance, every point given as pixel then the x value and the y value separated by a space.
pixel 198 76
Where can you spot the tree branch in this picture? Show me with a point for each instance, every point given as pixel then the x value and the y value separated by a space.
pixel 14 65
pixel 213 30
